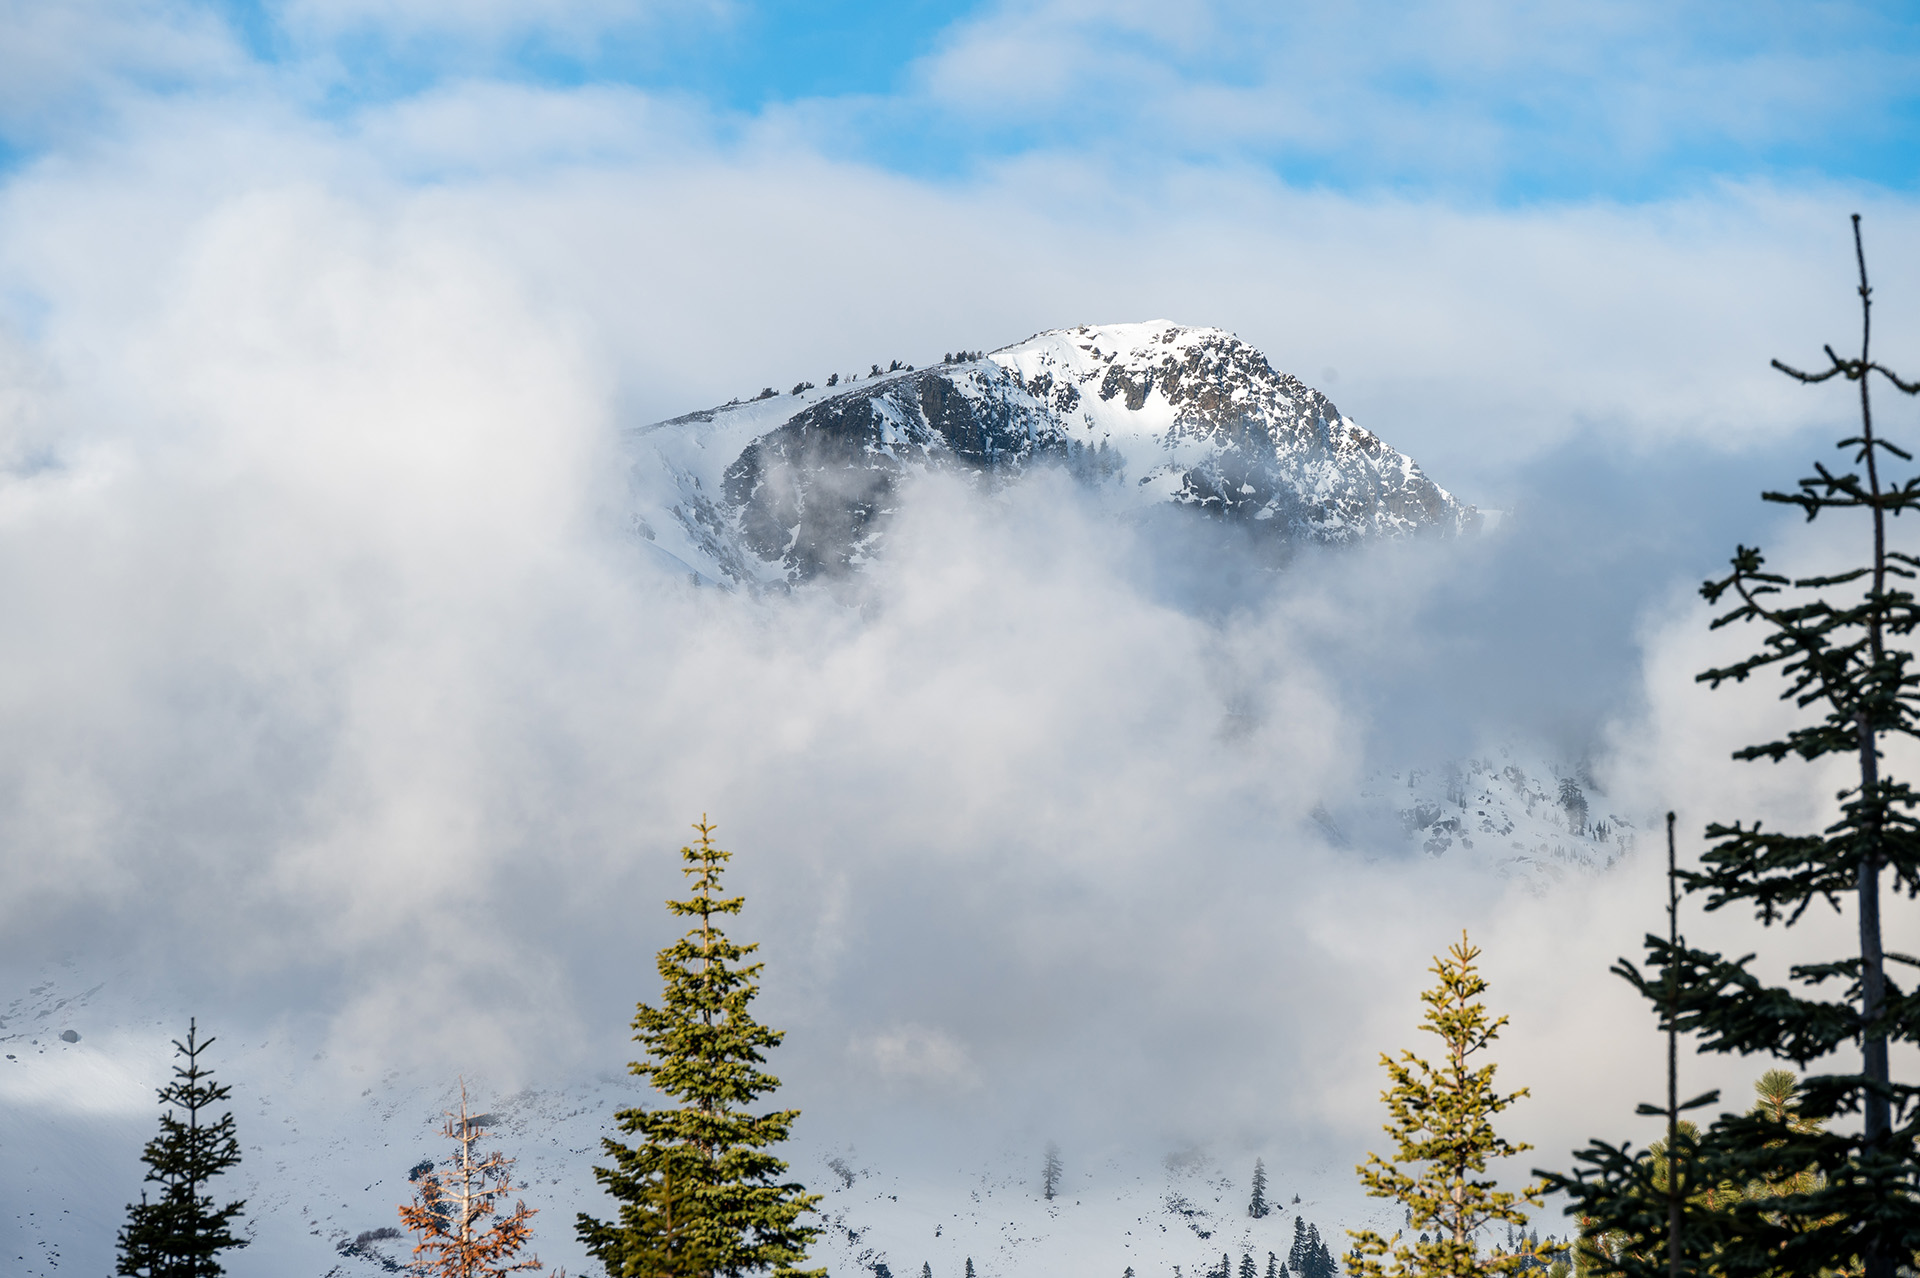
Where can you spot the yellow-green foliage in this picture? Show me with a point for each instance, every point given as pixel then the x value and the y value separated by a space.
pixel 699 1194
pixel 1775 1091
pixel 1444 1138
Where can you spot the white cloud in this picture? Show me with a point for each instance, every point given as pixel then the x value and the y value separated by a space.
pixel 58 61
pixel 1459 96
pixel 442 35
pixel 915 1056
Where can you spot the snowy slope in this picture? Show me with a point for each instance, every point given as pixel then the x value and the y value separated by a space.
pixel 329 1152
pixel 1522 814
pixel 788 487
pixel 329 1146
pixel 1159 1217
pixel 323 1172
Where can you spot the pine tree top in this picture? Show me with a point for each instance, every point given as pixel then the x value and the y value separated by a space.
pixel 1441 1121
pixel 182 1231
pixel 699 1192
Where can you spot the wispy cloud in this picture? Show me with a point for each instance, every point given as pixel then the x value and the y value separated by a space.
pixel 1467 101
pixel 1463 99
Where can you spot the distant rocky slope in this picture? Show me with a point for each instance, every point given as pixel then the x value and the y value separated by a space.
pixel 786 488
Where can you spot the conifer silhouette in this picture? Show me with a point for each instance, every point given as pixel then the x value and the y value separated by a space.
pixel 698 1194
pixel 1840 641
pixel 181 1233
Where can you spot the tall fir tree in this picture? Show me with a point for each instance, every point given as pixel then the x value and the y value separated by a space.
pixel 457 1214
pixel 1442 1120
pixel 1840 642
pixel 1050 1173
pixel 180 1233
pixel 699 1195
pixel 1257 1207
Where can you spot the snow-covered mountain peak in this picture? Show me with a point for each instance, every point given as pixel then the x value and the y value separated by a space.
pixel 788 487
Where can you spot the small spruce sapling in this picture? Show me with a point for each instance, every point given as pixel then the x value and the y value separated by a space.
pixel 1441 1121
pixel 457 1215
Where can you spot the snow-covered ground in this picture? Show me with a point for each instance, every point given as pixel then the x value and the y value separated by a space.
pixel 325 1165
pixel 328 1152
pixel 329 1145
pixel 1521 813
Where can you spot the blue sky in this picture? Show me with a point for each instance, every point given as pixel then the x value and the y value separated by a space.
pixel 1469 101
pixel 1469 216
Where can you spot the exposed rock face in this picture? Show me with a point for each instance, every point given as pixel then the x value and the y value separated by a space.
pixel 1189 416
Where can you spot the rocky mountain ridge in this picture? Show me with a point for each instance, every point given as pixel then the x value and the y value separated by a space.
pixel 788 488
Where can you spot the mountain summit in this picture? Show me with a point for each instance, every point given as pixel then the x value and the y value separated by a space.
pixel 791 487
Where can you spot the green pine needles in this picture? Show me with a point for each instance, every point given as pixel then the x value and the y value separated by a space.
pixel 1841 644
pixel 699 1195
pixel 180 1233
pixel 1442 1118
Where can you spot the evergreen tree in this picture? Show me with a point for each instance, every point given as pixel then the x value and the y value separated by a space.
pixel 1442 1119
pixel 181 1233
pixel 926 1269
pixel 699 1195
pixel 1703 1200
pixel 1258 1207
pixel 970 1273
pixel 1273 1266
pixel 1841 644
pixel 1309 1257
pixel 1050 1174
pixel 1247 1268
pixel 457 1216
